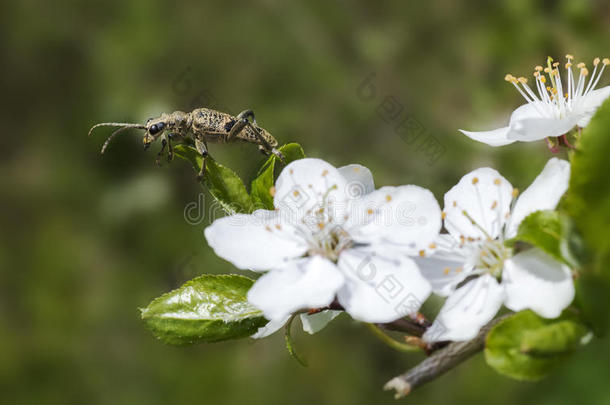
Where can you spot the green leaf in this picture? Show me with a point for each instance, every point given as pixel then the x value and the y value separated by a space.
pixel 209 308
pixel 588 204
pixel 223 183
pixel 290 344
pixel 261 186
pixel 588 201
pixel 526 346
pixel 551 232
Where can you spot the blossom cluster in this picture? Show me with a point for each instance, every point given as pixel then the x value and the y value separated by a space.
pixel 333 241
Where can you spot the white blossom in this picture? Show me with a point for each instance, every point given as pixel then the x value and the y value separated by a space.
pixel 332 239
pixel 476 271
pixel 554 108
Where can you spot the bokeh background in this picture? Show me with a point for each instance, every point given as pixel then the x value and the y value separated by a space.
pixel 85 240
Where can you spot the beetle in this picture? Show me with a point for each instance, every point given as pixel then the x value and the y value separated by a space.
pixel 202 125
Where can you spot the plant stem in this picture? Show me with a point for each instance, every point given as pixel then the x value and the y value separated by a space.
pixel 394 344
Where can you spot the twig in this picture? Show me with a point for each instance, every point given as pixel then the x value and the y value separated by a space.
pixel 401 347
pixel 440 362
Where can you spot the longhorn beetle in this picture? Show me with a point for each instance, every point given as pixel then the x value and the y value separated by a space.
pixel 203 125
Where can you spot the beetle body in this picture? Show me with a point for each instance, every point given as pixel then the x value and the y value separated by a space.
pixel 203 125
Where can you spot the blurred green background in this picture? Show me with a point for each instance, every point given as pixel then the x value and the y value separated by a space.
pixel 85 240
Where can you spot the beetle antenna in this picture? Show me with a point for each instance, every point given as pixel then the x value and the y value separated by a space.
pixel 116 124
pixel 115 133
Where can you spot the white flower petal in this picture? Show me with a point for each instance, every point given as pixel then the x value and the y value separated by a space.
pixel 496 137
pixel 591 103
pixel 257 242
pixel 304 184
pixel 307 283
pixel 527 124
pixel 446 267
pixel 271 327
pixel 543 194
pixel 533 280
pixel 316 322
pixel 408 216
pixel 485 196
pixel 380 287
pixel 359 180
pixel 468 309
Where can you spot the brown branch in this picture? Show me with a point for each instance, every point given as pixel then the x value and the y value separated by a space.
pixel 440 362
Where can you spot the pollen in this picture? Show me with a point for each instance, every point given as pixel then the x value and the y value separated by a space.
pixel 547 70
pixel 581 65
pixel 515 192
pixel 596 61
pixel 538 68
pixel 568 65
pixel 569 57
pixel 522 80
pixel 388 198
pixel 509 78
pixel 555 64
pixel 475 180
pixel 494 205
pixel 324 173
pixel 272 191
pixel 422 253
pixel 321 225
pixel 542 79
pixel 432 246
pixel 584 72
pixel 369 211
pixel 606 61
pixel 268 228
pixel 446 271
pixel 455 203
pixel 443 215
pixel 278 227
pixel 296 193
pixel 497 182
pixel 291 171
pixel 459 270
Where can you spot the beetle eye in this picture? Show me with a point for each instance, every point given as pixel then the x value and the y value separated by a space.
pixel 153 129
pixel 160 126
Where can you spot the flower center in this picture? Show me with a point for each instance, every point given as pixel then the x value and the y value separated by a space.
pixel 552 99
pixel 490 257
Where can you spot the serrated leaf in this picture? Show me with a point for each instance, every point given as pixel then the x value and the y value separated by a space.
pixel 260 190
pixel 209 308
pixel 547 230
pixel 526 346
pixel 223 183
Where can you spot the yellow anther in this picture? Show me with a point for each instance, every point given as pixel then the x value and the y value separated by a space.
pixel 538 68
pixel 497 182
pixel 268 228
pixel 388 198
pixel 475 180
pixel 555 72
pixel 542 79
pixel 606 61
pixel 568 65
pixel 584 72
pixel 422 253
pixel 296 193
pixel 536 74
pixel 324 173
pixel 446 271
pixel 509 77
pixel 581 65
pixel 272 191
pixel 555 64
pixel 369 211
pixel 278 227
pixel 443 215
pixel 569 57
pixel 547 70
pixel 596 61
pixel 522 80
pixel 515 192
pixel 494 205
pixel 321 225
pixel 432 246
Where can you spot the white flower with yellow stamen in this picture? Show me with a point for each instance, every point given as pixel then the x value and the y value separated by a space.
pixel 476 271
pixel 555 107
pixel 326 243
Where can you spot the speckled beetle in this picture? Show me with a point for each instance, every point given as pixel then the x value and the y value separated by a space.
pixel 202 125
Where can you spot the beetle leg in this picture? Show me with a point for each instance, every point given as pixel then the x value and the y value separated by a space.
pixel 160 154
pixel 202 148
